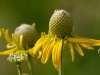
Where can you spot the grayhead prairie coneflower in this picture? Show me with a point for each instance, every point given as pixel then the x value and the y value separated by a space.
pixel 19 43
pixel 60 34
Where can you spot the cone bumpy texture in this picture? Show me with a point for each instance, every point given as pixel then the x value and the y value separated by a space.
pixel 29 35
pixel 61 24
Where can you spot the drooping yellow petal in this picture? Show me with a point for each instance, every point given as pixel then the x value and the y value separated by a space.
pixel 58 54
pixel 44 45
pixel 43 38
pixel 31 52
pixel 7 52
pixel 87 46
pixel 10 45
pixel 71 50
pixel 16 42
pixel 50 50
pixel 79 50
pixel 39 54
pixel 54 54
pixel 6 35
pixel 45 49
pixel 39 43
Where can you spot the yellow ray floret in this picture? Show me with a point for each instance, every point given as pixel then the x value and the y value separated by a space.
pixel 45 50
pixel 49 51
pixel 87 46
pixel 58 54
pixel 53 45
pixel 7 52
pixel 78 48
pixel 6 35
pixel 39 43
pixel 92 42
pixel 71 50
pixel 54 51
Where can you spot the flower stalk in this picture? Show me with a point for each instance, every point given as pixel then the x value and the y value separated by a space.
pixel 61 60
pixel 30 64
pixel 19 69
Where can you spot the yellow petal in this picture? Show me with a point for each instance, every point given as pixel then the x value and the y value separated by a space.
pixel 84 41
pixel 79 50
pixel 87 46
pixel 39 43
pixel 71 50
pixel 10 45
pixel 31 52
pixel 58 54
pixel 6 35
pixel 50 50
pixel 41 39
pixel 54 55
pixel 7 52
pixel 44 45
pixel 79 40
pixel 20 41
pixel 45 49
pixel 17 44
pixel 94 41
pixel 40 53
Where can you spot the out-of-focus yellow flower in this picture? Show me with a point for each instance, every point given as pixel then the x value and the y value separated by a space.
pixel 60 34
pixel 20 42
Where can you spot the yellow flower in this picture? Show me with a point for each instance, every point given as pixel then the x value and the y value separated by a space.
pixel 60 34
pixel 21 41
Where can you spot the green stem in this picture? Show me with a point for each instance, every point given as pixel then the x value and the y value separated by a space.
pixel 30 64
pixel 61 61
pixel 19 68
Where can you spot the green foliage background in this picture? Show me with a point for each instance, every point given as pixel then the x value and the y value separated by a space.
pixel 86 17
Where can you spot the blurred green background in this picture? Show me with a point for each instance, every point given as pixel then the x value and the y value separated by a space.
pixel 86 17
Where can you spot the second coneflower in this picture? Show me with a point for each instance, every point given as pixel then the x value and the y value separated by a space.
pixel 19 45
pixel 60 34
pixel 22 39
